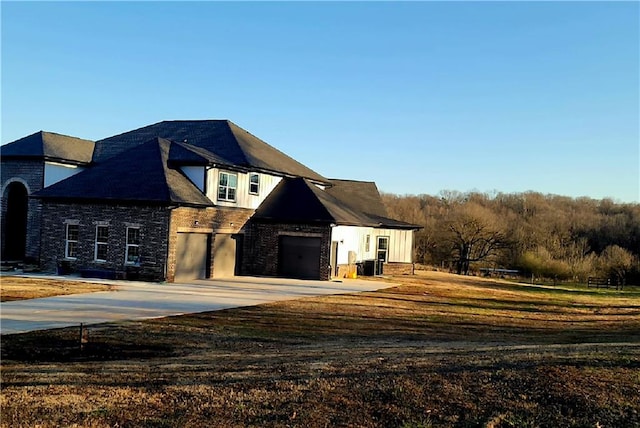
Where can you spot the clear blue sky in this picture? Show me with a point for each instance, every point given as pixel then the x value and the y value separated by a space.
pixel 418 97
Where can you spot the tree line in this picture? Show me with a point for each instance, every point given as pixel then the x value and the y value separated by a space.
pixel 547 236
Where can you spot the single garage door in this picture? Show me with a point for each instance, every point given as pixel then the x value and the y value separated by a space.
pixel 191 256
pixel 300 257
pixel 227 255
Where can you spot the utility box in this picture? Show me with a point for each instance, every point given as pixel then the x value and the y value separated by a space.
pixel 369 268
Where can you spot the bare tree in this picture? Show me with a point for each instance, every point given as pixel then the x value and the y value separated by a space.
pixel 616 262
pixel 474 234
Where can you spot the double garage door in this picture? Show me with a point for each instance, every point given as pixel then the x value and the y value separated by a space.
pixel 192 255
pixel 299 257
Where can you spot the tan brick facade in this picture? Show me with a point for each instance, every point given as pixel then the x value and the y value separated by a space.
pixel 203 220
pixel 398 269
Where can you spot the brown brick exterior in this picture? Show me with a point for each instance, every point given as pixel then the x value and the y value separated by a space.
pixel 30 172
pixel 159 228
pixel 209 220
pixel 392 268
pixel 398 269
pixel 153 223
pixel 262 246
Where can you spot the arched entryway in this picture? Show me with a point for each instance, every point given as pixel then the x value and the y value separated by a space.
pixel 15 227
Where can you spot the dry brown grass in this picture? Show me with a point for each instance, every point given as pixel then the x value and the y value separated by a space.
pixel 438 350
pixel 21 288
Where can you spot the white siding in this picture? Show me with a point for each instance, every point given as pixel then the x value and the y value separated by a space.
pixel 243 198
pixel 353 238
pixel 54 172
pixel 400 244
pixel 196 174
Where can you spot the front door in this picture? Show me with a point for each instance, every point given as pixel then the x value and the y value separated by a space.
pixel 15 228
pixel 334 258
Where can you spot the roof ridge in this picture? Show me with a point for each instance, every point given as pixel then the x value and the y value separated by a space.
pixel 164 161
pixel 233 135
pixel 42 132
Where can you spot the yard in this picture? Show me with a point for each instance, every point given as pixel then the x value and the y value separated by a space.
pixel 19 288
pixel 437 350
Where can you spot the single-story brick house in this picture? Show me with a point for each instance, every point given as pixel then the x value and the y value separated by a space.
pixel 179 200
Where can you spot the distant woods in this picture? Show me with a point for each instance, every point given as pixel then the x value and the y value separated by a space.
pixel 547 236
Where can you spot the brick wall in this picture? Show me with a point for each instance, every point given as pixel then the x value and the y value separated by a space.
pixel 31 173
pixel 398 269
pixel 203 220
pixel 262 246
pixel 153 223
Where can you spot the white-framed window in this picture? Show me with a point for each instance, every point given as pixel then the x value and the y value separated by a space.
pixel 132 255
pixel 102 243
pixel 383 248
pixel 367 243
pixel 254 184
pixel 227 185
pixel 71 241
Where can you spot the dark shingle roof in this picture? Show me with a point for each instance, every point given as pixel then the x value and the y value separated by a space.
pixel 293 200
pixel 50 146
pixel 140 174
pixel 226 142
pixel 361 195
pixel 297 200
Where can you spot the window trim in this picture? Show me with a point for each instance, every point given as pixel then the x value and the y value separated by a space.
pixel 67 241
pixel 128 245
pixel 257 183
pixel 386 250
pixel 99 243
pixel 227 187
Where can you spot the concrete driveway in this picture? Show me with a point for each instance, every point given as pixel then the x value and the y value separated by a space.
pixel 136 300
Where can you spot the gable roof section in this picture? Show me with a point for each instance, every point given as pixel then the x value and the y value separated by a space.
pixel 293 200
pixel 361 195
pixel 297 200
pixel 188 154
pixel 226 144
pixel 50 146
pixel 140 174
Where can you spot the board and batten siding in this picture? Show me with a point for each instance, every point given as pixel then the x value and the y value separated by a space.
pixel 54 172
pixel 353 238
pixel 243 198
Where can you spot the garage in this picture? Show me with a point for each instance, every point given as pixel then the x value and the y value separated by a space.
pixel 227 255
pixel 299 257
pixel 192 256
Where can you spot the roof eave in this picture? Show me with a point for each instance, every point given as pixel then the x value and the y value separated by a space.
pixel 46 159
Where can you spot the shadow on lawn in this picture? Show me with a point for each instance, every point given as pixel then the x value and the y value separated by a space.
pixel 274 365
pixel 520 287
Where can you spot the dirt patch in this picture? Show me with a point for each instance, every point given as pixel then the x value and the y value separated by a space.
pixel 434 351
pixel 22 288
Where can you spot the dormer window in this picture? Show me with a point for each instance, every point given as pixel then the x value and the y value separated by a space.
pixel 227 185
pixel 254 184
